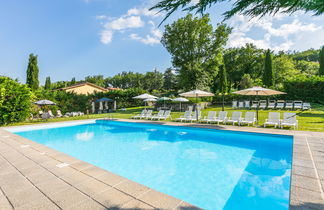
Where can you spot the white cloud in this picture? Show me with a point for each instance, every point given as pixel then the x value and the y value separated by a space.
pixel 143 11
pixel 289 32
pixel 150 39
pixel 125 23
pixel 101 17
pixel 106 36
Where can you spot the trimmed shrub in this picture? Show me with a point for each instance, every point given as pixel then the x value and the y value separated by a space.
pixel 305 88
pixel 15 101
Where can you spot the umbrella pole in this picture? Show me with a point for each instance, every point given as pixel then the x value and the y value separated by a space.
pixel 180 106
pixel 197 107
pixel 257 122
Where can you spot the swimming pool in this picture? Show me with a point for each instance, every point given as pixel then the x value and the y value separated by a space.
pixel 209 168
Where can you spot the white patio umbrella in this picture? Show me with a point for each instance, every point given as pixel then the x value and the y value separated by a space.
pixel 196 93
pixel 258 91
pixel 145 96
pixel 180 99
pixel 44 102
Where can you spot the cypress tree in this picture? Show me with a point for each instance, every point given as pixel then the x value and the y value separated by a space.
pixel 223 83
pixel 73 81
pixel 321 61
pixel 32 72
pixel 268 75
pixel 48 83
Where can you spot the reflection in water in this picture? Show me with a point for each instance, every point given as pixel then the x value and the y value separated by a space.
pixel 85 136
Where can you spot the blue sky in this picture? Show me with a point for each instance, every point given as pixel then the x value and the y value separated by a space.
pixel 76 38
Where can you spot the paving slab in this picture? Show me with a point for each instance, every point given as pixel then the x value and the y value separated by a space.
pixel 31 179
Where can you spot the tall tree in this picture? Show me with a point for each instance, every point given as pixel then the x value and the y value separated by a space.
pixel 247 59
pixel 246 82
pixel 169 80
pixel 196 50
pixel 321 61
pixel 251 8
pixel 32 72
pixel 268 76
pixel 73 81
pixel 153 81
pixel 48 83
pixel 223 84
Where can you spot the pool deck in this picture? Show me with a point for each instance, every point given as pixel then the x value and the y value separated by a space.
pixel 33 176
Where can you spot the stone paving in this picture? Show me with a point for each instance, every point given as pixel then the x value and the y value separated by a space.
pixel 33 176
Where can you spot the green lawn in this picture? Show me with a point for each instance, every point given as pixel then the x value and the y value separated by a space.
pixel 308 120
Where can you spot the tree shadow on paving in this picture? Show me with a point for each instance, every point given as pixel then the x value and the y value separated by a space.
pixel 307 206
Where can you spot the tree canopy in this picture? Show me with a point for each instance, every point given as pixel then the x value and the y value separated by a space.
pixel 321 61
pixel 32 72
pixel 251 8
pixel 196 50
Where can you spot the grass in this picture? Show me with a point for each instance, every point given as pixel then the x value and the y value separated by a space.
pixel 312 120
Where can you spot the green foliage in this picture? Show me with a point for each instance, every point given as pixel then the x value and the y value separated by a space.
pixel 96 79
pixel 321 61
pixel 305 88
pixel 32 72
pixel 48 83
pixel 284 69
pixel 244 60
pixel 126 80
pixel 307 67
pixel 15 101
pixel 307 55
pixel 222 79
pixel 196 50
pixel 153 81
pixel 268 76
pixel 246 82
pixel 253 8
pixel 169 80
pixel 73 81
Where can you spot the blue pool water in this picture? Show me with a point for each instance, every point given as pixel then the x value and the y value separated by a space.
pixel 211 169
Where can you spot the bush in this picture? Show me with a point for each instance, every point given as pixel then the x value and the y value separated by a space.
pixel 15 101
pixel 305 88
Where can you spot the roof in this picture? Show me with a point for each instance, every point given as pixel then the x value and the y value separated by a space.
pixel 83 84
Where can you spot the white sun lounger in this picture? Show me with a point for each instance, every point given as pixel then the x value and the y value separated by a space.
pixel 59 113
pixel 236 118
pixel 194 116
pixel 148 115
pixel 166 115
pixel 298 104
pixel 50 114
pixel 222 117
pixel 247 104
pixel 272 104
pixel 289 119
pixel 273 119
pixel 185 116
pixel 289 105
pixel 263 104
pixel 241 104
pixel 158 115
pixel 210 117
pixel 280 104
pixel 255 104
pixel 249 119
pixel 234 104
pixel 142 114
pixel 306 106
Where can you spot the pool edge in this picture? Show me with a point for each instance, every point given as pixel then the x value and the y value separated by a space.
pixel 306 190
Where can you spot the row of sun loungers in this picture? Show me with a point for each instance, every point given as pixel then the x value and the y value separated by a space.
pixel 280 104
pixel 289 119
pixel 147 114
